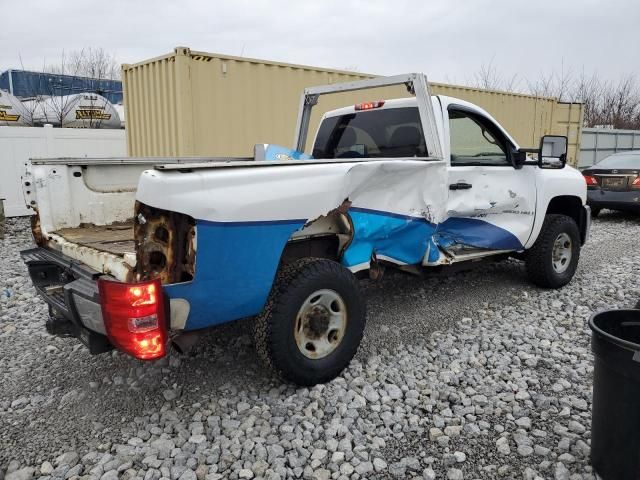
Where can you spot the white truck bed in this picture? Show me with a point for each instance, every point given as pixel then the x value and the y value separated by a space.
pixel 84 207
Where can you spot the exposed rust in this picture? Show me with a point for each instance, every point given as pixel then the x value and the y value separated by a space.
pixel 36 229
pixel 130 275
pixel 344 207
pixel 376 269
pixel 164 244
pixel 115 238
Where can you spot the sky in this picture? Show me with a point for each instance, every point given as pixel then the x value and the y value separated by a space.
pixel 448 40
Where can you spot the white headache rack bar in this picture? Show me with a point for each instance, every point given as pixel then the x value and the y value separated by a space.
pixel 416 84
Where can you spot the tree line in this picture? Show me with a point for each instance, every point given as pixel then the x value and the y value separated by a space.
pixel 607 103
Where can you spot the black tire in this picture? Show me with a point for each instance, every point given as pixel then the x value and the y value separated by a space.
pixel 274 327
pixel 595 211
pixel 539 258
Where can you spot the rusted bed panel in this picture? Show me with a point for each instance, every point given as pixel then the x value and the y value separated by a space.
pixel 116 239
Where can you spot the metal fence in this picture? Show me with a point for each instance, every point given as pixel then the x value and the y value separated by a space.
pixel 598 143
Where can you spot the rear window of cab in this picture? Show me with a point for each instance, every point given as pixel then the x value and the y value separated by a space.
pixel 388 133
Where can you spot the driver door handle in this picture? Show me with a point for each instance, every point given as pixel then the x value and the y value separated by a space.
pixel 460 186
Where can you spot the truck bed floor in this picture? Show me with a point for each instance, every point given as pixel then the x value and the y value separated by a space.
pixel 116 238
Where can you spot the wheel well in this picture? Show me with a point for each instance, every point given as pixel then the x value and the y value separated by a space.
pixel 570 206
pixel 566 205
pixel 325 237
pixel 324 246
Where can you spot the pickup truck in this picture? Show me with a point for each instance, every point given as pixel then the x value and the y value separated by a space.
pixel 143 253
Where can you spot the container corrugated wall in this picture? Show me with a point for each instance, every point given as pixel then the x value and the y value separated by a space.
pixel 200 104
pixel 567 120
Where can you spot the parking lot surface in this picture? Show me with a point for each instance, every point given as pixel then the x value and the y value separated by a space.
pixel 472 375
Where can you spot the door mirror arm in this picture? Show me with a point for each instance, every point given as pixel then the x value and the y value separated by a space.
pixel 519 157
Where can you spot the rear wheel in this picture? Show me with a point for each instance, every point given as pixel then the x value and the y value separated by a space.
pixel 553 259
pixel 313 321
pixel 595 211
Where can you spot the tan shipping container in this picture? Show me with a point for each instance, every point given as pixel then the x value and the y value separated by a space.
pixel 191 103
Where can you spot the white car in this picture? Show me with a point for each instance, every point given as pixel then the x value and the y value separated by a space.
pixel 132 252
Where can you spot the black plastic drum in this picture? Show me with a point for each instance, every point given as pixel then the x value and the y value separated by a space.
pixel 615 429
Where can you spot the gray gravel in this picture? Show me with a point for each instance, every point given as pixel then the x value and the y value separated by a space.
pixel 475 375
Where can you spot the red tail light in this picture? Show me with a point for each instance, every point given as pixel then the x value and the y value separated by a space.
pixel 591 180
pixel 369 105
pixel 636 183
pixel 134 317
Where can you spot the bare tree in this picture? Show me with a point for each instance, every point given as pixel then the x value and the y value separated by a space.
pixel 558 85
pixel 606 103
pixel 59 102
pixel 32 103
pixel 489 78
pixel 95 63
pixel 88 62
pixel 588 90
pixel 621 103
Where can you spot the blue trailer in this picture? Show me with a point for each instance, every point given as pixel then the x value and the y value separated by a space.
pixel 25 84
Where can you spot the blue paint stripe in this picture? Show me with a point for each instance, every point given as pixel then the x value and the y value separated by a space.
pixel 389 214
pixel 252 223
pixel 235 268
pixel 477 233
pixel 400 237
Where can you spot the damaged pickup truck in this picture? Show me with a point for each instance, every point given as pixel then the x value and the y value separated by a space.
pixel 135 253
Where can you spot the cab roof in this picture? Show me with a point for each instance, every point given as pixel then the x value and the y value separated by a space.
pixel 444 100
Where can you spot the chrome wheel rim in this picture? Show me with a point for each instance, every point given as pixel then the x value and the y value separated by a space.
pixel 562 252
pixel 320 324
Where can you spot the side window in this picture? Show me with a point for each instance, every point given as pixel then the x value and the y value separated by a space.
pixel 475 141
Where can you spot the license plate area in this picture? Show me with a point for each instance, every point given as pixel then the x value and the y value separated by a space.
pixel 614 183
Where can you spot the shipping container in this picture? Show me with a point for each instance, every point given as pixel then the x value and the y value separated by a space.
pixel 190 103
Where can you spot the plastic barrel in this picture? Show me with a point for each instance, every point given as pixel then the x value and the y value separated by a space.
pixel 615 427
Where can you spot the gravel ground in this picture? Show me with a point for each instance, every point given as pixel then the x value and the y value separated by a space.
pixel 474 375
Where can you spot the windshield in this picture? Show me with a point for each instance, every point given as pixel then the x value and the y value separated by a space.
pixel 620 161
pixel 390 133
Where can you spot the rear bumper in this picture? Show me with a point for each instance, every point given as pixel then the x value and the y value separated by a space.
pixel 71 291
pixel 599 198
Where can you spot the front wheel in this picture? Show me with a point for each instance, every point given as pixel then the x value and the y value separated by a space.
pixel 553 259
pixel 313 321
